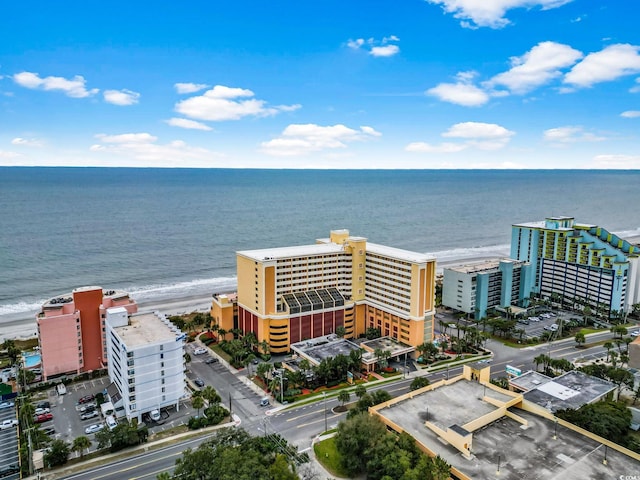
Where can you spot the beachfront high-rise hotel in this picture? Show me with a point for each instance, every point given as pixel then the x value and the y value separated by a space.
pixel 579 263
pixel 71 329
pixel 289 294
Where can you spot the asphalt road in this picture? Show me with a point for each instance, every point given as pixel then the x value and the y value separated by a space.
pixel 300 425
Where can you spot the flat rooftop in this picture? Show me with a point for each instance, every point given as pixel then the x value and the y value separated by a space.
pixel 484 266
pixel 326 247
pixel 523 452
pixel 529 380
pixel 570 390
pixel 390 344
pixel 317 349
pixel 146 328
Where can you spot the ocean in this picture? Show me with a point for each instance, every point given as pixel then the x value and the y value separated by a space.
pixel 171 233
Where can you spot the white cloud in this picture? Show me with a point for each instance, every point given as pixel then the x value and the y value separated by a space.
pixel 26 142
pixel 617 161
pixel 72 88
pixel 128 138
pixel 144 147
pixel 302 139
pixel 483 136
pixel 570 134
pixel 121 97
pixel 490 13
pixel 460 93
pixel 225 103
pixel 376 48
pixel 190 87
pixel 6 154
pixel 385 51
pixel 537 67
pixel 186 123
pixel 608 64
pixel 636 88
pixel 423 147
pixel 630 114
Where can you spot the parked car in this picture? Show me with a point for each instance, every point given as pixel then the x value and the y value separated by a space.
pixel 45 417
pixel 111 422
pixel 96 427
pixel 211 360
pixel 200 351
pixel 41 410
pixel 90 407
pixel 43 404
pixel 4 405
pixel 49 431
pixel 635 334
pixel 199 382
pixel 12 422
pixel 155 415
pixel 88 415
pixel 86 399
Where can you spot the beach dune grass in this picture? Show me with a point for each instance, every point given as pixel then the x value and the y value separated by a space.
pixel 328 456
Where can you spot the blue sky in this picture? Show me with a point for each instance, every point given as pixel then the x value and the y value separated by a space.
pixel 331 84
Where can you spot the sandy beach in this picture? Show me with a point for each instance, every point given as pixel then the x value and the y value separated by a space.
pixel 24 325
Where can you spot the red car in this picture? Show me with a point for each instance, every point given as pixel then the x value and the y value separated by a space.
pixel 42 418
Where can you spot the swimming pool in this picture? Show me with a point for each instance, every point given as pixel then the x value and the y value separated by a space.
pixel 31 359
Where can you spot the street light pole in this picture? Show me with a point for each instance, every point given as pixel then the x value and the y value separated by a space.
pixel 324 395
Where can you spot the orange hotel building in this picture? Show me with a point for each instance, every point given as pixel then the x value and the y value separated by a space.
pixel 71 329
pixel 289 294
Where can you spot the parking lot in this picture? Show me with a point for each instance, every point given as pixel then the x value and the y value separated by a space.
pixel 68 421
pixel 9 461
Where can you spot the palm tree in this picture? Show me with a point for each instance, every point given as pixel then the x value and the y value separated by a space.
pixel 609 347
pixel 80 444
pixel 343 397
pixel 265 347
pixel 222 333
pixel 210 395
pixel 197 402
pixel 360 391
pixel 580 338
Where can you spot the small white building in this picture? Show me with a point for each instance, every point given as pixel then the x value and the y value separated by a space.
pixel 145 355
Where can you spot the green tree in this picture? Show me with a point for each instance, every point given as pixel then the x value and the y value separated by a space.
pixel 341 331
pixel 197 402
pixel 360 390
pixel 607 419
pixel 80 444
pixel 58 453
pixel 418 383
pixel 13 352
pixel 343 397
pixel 441 469
pixel 580 339
pixel 210 395
pixel 609 347
pixel 354 439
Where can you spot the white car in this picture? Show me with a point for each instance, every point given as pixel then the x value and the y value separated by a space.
pixel 200 351
pixel 41 411
pixel 8 424
pixel 4 405
pixel 635 334
pixel 96 427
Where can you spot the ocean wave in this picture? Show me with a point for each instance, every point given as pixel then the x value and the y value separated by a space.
pixel 199 286
pixel 20 307
pixel 144 293
pixel 474 252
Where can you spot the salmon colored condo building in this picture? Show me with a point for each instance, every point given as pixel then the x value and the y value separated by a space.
pixel 71 329
pixel 289 294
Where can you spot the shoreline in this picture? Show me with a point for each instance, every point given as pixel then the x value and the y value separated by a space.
pixel 23 325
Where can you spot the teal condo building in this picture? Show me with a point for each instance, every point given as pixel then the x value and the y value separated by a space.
pixel 579 263
pixel 478 287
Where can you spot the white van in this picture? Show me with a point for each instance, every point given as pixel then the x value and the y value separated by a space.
pixel 155 415
pixel 111 422
pixel 61 389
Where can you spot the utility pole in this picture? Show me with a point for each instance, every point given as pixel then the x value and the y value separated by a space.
pixel 281 385
pixel 230 411
pixel 324 395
